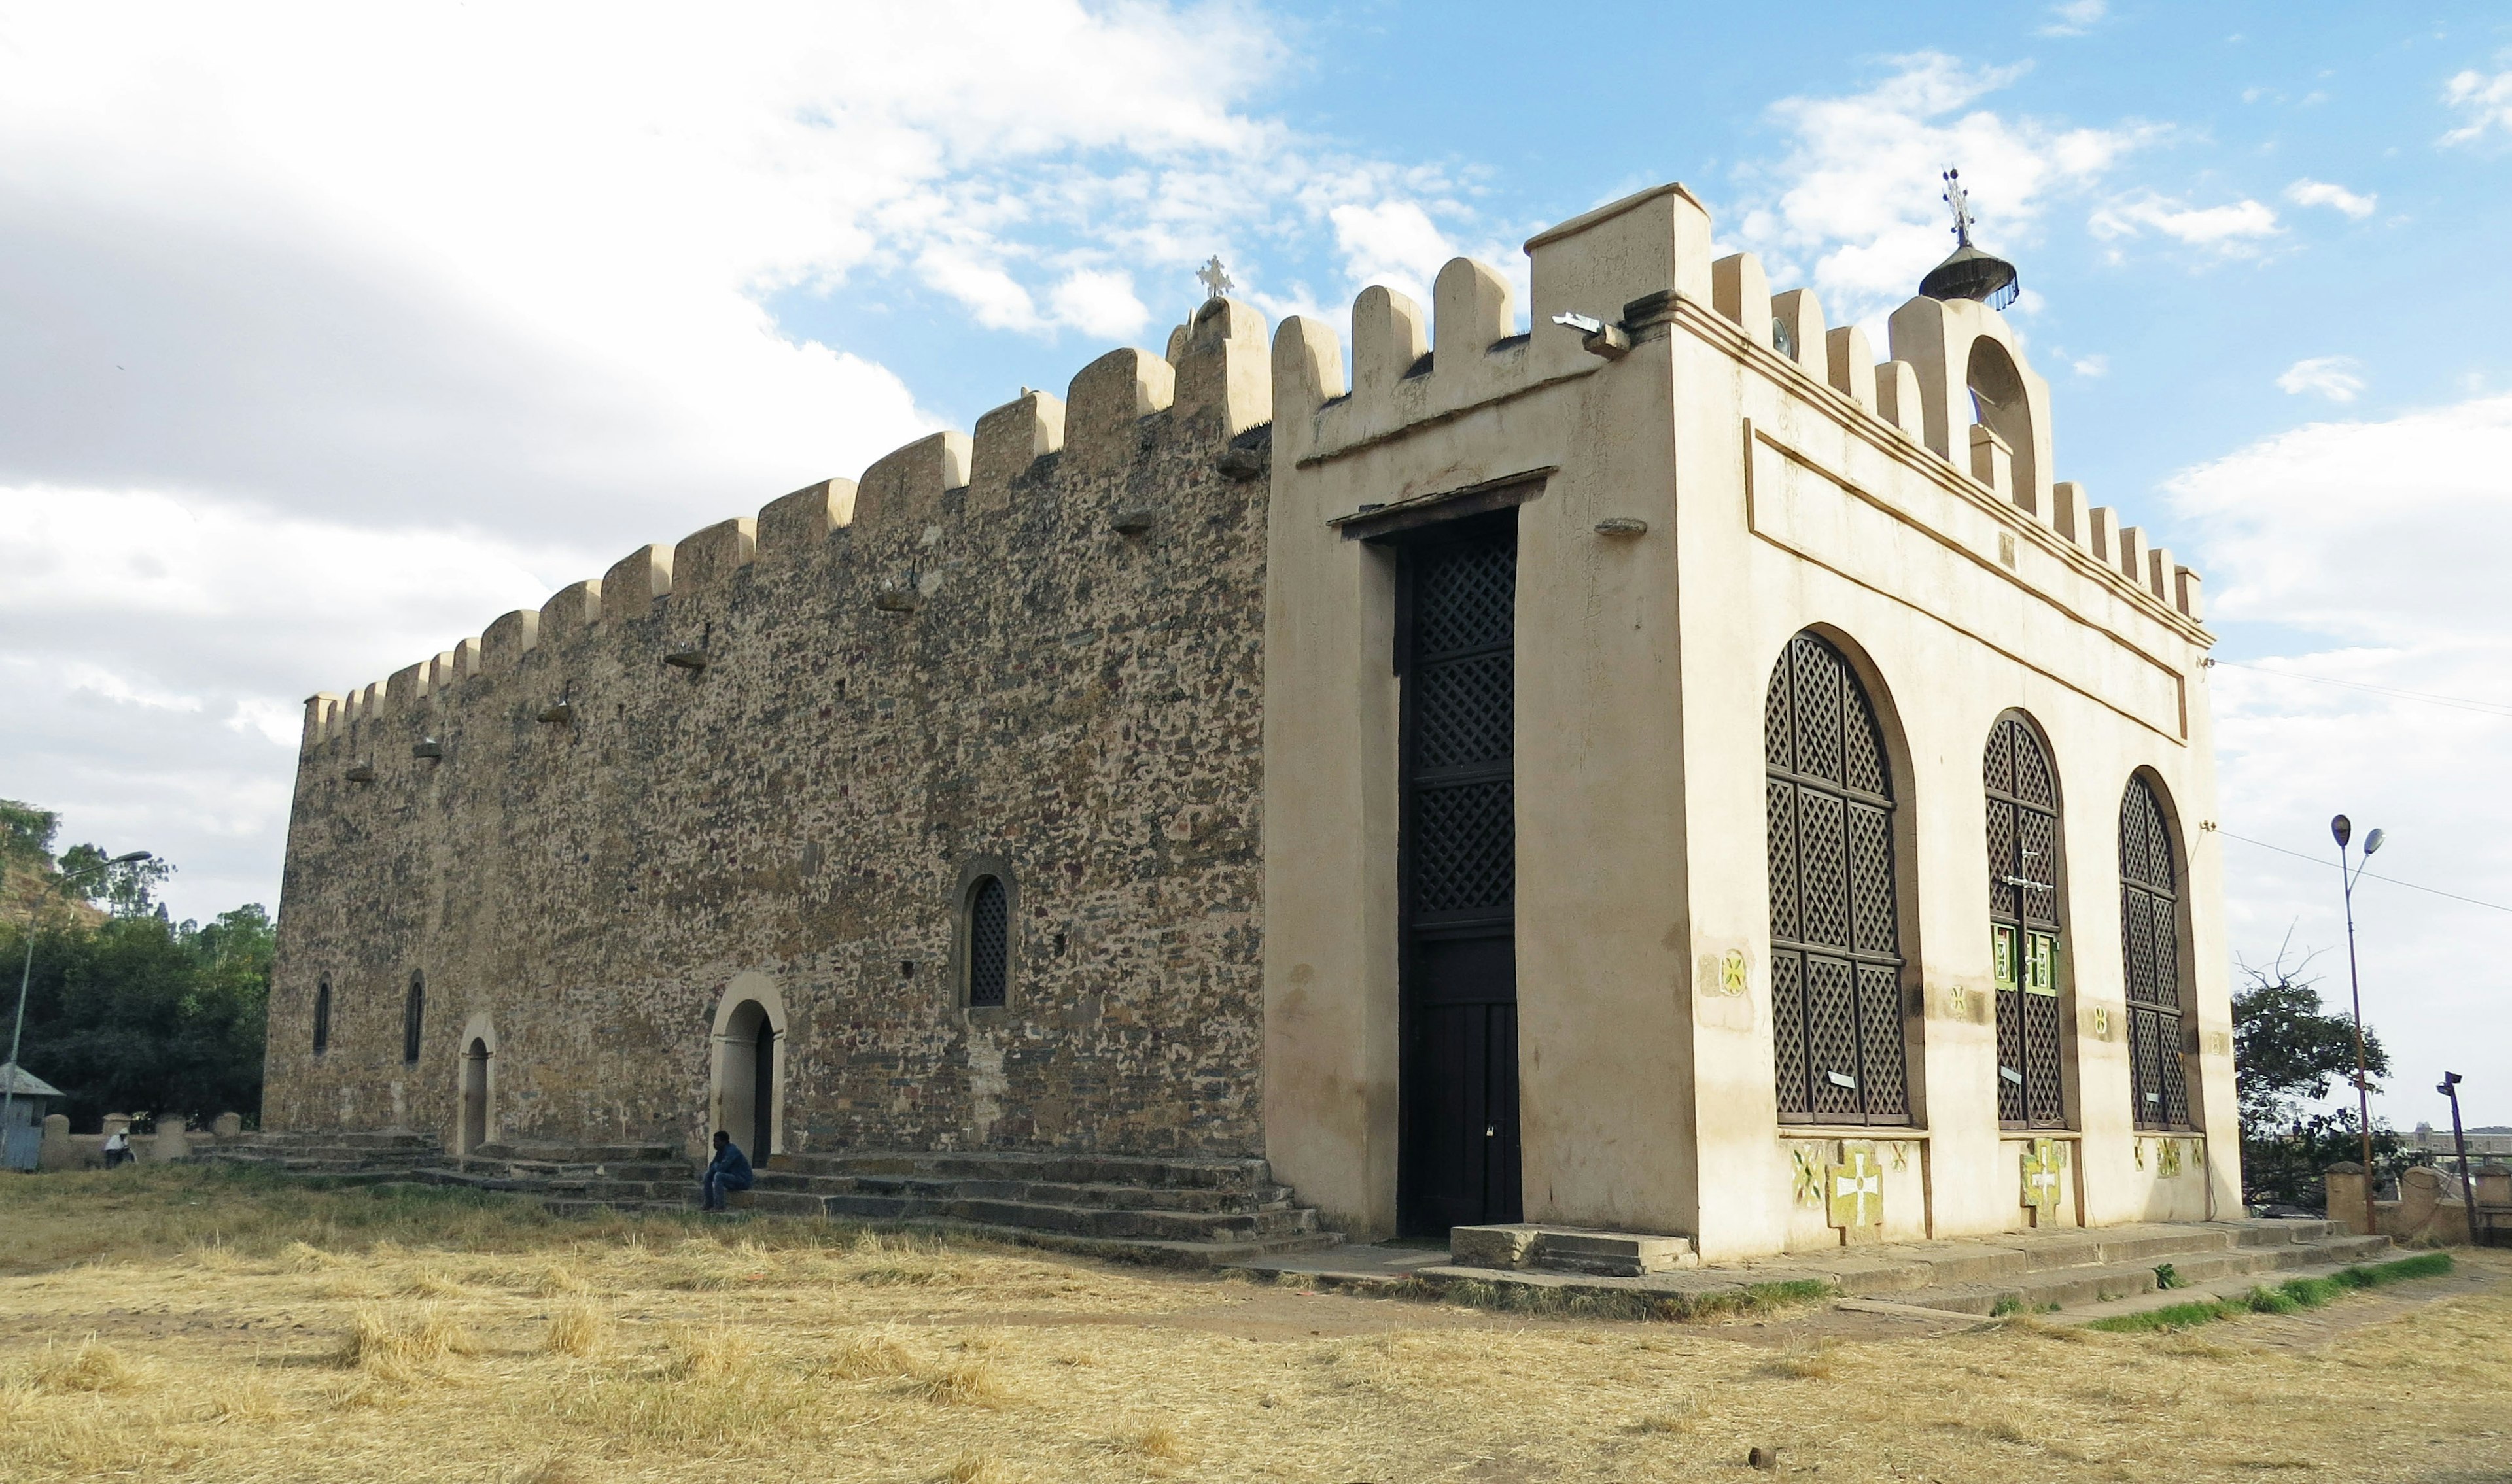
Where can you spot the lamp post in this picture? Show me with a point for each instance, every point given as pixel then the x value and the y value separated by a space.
pixel 2342 829
pixel 2450 1088
pixel 26 975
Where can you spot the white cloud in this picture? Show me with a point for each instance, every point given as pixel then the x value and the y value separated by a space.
pixel 465 301
pixel 1100 302
pixel 2484 105
pixel 2234 231
pixel 1840 208
pixel 2074 18
pixel 2308 192
pixel 2373 553
pixel 2329 377
pixel 2091 366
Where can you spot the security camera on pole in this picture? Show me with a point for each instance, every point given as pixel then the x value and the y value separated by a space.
pixel 2343 829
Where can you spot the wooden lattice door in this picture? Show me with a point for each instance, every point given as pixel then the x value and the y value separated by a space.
pixel 1836 917
pixel 2150 940
pixel 2024 925
pixel 1457 653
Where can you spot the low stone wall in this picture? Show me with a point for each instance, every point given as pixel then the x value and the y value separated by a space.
pixel 2430 1210
pixel 67 1150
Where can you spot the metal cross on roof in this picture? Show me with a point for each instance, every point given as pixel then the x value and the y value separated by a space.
pixel 1960 200
pixel 1215 279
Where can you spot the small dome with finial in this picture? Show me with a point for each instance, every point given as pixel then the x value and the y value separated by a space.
pixel 1969 273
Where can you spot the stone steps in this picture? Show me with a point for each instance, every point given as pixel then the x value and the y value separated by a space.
pixel 2026 1271
pixel 2033 1271
pixel 1190 1212
pixel 1185 1212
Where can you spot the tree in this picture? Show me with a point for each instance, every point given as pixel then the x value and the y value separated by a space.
pixel 130 1012
pixel 2288 1053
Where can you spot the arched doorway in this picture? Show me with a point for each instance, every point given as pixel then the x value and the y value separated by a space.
pixel 746 1086
pixel 475 1096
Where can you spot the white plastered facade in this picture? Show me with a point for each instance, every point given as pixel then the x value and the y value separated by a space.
pixel 1779 493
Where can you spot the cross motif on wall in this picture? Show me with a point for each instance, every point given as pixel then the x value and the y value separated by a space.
pixel 2041 1175
pixel 1856 1188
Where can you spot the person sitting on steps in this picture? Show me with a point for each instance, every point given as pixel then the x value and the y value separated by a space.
pixel 730 1170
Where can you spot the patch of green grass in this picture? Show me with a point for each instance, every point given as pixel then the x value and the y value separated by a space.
pixel 2289 1297
pixel 2010 1305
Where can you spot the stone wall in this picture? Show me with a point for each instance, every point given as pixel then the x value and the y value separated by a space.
pixel 1035 652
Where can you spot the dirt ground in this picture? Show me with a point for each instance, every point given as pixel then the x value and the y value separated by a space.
pixel 173 1323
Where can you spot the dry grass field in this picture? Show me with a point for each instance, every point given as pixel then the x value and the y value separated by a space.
pixel 181 1324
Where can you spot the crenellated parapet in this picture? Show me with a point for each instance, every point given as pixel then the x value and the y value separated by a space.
pixel 1215 380
pixel 1955 383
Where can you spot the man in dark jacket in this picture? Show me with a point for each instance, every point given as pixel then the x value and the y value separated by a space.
pixel 727 1171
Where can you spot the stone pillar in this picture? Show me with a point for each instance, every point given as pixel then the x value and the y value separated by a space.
pixel 229 1125
pixel 2343 1183
pixel 57 1153
pixel 173 1141
pixel 2493 1183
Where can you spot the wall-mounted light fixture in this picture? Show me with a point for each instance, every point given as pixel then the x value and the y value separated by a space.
pixel 428 748
pixel 687 659
pixel 361 772
pixel 559 715
pixel 1621 525
pixel 1133 521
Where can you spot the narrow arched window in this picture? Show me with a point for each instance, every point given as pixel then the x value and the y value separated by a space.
pixel 2150 943
pixel 1836 917
pixel 414 1018
pixel 321 1016
pixel 989 942
pixel 2023 924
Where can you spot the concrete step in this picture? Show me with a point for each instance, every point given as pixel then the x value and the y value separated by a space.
pixel 2102 1283
pixel 1097 1222
pixel 543 1151
pixel 1125 1197
pixel 1134 1171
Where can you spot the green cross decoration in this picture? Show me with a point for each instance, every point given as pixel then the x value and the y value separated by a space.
pixel 2168 1166
pixel 2040 965
pixel 1853 1189
pixel 1731 972
pixel 2041 1166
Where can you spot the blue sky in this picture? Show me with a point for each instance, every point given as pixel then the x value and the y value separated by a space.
pixel 328 334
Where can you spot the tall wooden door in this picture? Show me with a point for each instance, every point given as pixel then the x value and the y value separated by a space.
pixel 1457 651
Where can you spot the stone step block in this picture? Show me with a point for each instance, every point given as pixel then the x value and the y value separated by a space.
pixel 1569 1249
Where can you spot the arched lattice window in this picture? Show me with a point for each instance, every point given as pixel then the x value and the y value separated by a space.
pixel 2023 924
pixel 414 1018
pixel 1835 926
pixel 989 942
pixel 2150 940
pixel 321 1016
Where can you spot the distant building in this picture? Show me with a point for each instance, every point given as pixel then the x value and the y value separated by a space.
pixel 22 1137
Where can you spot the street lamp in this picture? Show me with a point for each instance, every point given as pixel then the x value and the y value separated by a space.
pixel 26 975
pixel 2342 828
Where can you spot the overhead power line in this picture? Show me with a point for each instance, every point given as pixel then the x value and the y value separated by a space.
pixel 2322 860
pixel 2456 703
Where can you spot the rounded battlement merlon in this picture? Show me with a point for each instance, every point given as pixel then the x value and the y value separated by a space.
pixel 322 714
pixel 706 559
pixel 793 523
pixel 1106 400
pixel 633 582
pixel 572 610
pixel 1223 365
pixel 905 486
pixel 1009 439
pixel 504 642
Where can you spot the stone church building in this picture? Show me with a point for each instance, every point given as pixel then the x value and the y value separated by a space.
pixel 1679 770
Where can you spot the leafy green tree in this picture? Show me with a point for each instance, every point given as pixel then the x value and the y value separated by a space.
pixel 130 1012
pixel 2288 1054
